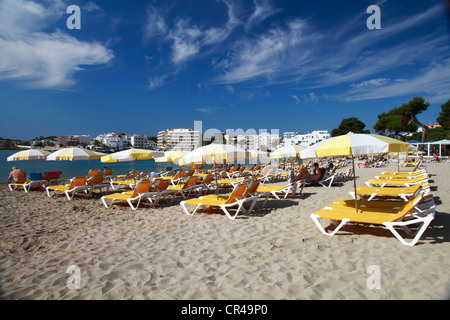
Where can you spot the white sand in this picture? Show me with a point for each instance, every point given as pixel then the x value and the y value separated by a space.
pixel 161 253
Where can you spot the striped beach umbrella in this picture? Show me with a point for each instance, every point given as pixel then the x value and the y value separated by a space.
pixel 73 154
pixel 30 154
pixel 291 151
pixel 354 144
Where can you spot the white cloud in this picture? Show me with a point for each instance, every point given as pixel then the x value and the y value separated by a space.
pixel 42 59
pixel 370 83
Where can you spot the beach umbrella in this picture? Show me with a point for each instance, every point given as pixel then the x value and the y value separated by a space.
pixel 74 154
pixel 172 156
pixel 30 154
pixel 132 155
pixel 291 151
pixel 263 156
pixel 212 154
pixel 353 144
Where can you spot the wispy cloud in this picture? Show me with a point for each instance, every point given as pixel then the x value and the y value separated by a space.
pixel 42 59
pixel 300 53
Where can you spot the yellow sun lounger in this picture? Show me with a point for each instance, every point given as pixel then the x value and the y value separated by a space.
pixel 128 196
pixel 406 171
pixel 93 183
pixel 282 190
pixel 393 192
pixel 390 218
pixel 395 182
pixel 236 199
pixel 34 180
pixel 417 174
pixel 74 182
pixel 184 189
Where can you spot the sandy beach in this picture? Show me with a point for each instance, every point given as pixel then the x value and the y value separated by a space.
pixel 160 253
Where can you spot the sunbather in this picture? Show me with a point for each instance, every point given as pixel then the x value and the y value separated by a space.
pixel 316 175
pixel 17 175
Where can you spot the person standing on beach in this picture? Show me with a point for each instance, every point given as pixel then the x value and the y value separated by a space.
pixel 17 175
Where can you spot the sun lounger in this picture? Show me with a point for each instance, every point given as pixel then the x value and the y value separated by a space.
pixel 236 200
pixel 390 218
pixel 157 192
pixel 143 186
pixel 284 190
pixel 403 193
pixel 34 180
pixel 164 172
pixel 95 182
pixel 395 182
pixel 74 182
pixel 412 175
pixel 53 177
pixel 416 167
pixel 183 189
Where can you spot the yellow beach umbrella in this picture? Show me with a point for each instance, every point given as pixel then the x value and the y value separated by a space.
pixel 171 156
pixel 291 151
pixel 132 155
pixel 30 154
pixel 353 144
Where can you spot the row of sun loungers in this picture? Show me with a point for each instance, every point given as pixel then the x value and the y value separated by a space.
pixel 394 199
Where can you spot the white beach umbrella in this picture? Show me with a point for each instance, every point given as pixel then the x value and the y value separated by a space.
pixel 291 151
pixel 30 154
pixel 73 154
pixel 353 144
pixel 212 154
pixel 132 155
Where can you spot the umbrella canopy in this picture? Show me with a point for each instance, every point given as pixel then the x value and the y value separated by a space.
pixel 353 144
pixel 263 156
pixel 213 153
pixel 132 155
pixel 30 154
pixel 172 156
pixel 291 151
pixel 73 154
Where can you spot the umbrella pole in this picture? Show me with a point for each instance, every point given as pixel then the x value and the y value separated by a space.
pixel 354 184
pixel 398 161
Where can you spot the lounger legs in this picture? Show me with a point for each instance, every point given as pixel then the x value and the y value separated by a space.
pixel 315 219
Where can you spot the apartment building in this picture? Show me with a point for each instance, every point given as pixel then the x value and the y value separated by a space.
pixel 307 139
pixel 179 139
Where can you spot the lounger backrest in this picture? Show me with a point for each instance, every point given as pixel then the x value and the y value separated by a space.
pixel 162 185
pixel 252 187
pixel 96 180
pixel 416 166
pixel 238 193
pixel 35 176
pixel 190 183
pixel 408 207
pixel 79 181
pixel 141 187
pixel 107 172
pixel 207 179
pixel 52 175
pixel 93 172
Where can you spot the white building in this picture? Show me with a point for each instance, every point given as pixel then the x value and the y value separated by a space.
pixel 307 139
pixel 179 139
pixel 263 141
pixel 113 140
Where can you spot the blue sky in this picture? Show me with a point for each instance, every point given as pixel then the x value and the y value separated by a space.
pixel 145 66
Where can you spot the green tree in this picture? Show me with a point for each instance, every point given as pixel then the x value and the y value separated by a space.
pixel 403 119
pixel 352 124
pixel 444 116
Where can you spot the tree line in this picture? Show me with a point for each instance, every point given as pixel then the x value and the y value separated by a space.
pixel 401 121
